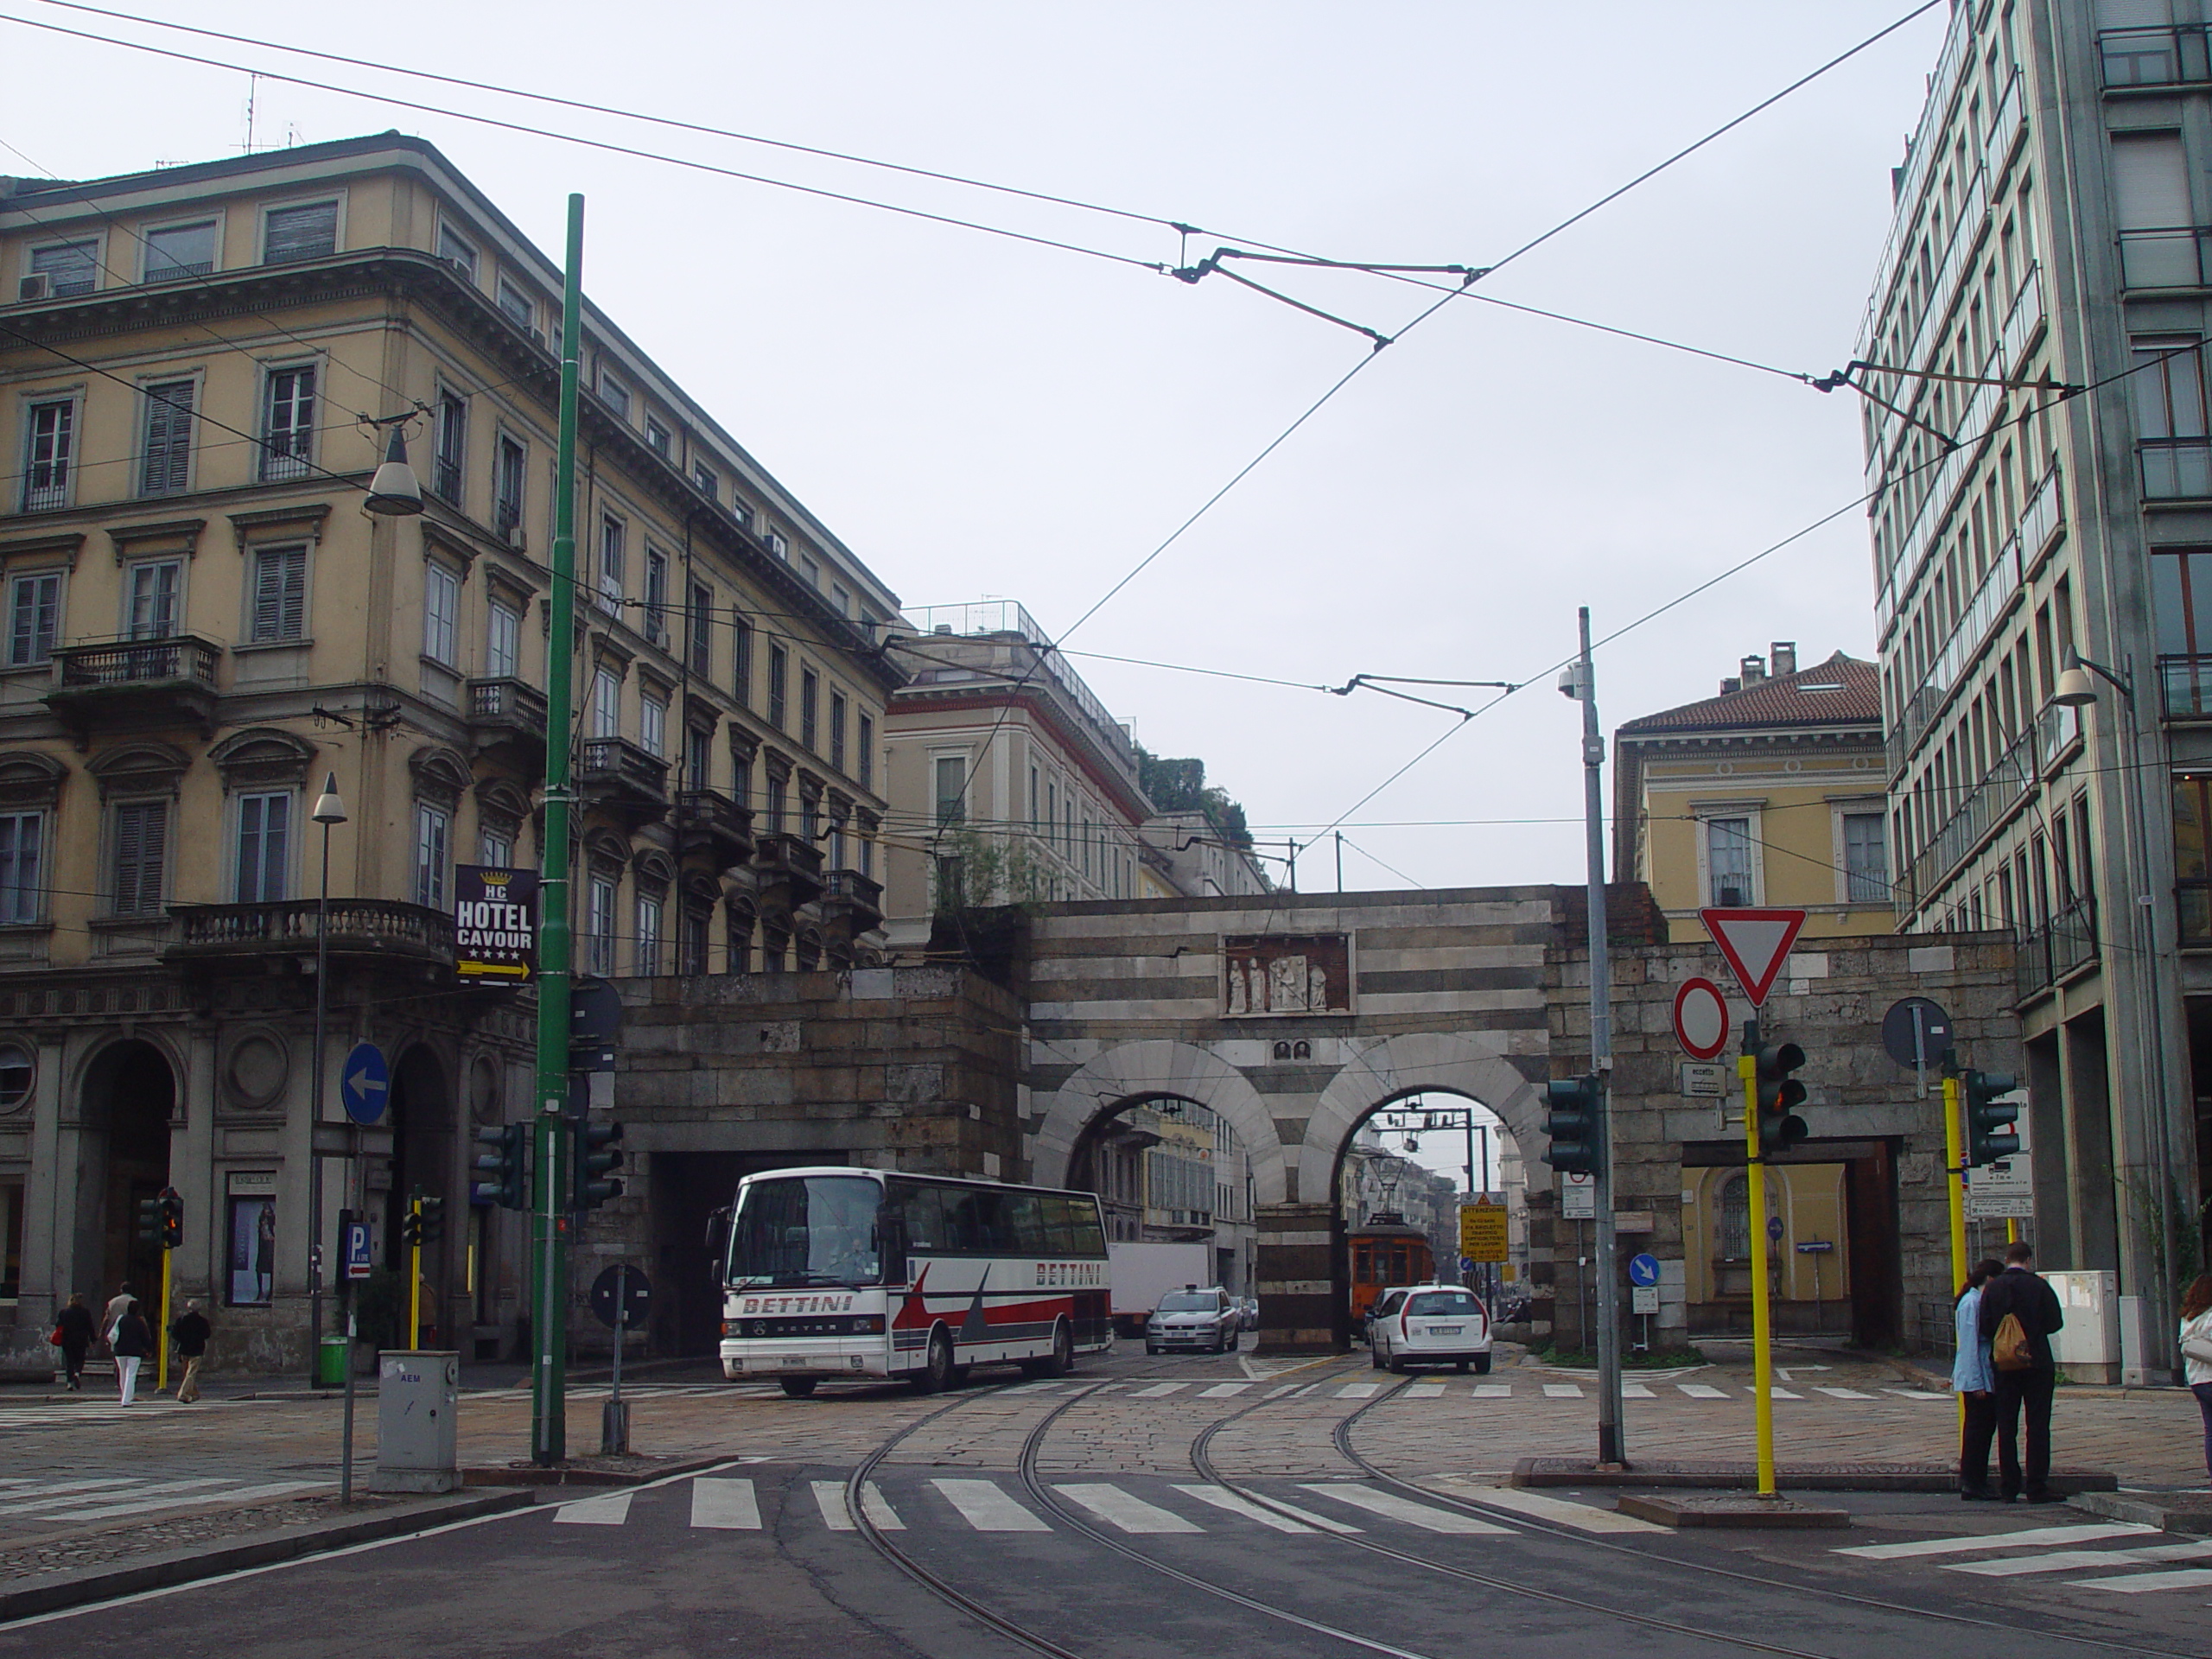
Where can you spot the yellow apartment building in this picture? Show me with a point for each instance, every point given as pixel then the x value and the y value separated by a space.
pixel 198 368
pixel 1769 794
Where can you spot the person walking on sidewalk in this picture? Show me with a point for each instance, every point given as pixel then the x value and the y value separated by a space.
pixel 72 1328
pixel 190 1330
pixel 2025 1380
pixel 132 1343
pixel 111 1316
pixel 2196 1352
pixel 1974 1379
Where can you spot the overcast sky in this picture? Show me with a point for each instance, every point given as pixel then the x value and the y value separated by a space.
pixel 977 416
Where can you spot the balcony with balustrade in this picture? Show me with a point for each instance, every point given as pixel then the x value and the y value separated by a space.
pixel 850 905
pixel 707 822
pixel 505 713
pixel 137 684
pixel 787 872
pixel 252 936
pixel 624 779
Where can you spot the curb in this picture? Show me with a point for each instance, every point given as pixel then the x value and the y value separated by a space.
pixel 529 1474
pixel 58 1592
pixel 2189 1519
pixel 1536 1473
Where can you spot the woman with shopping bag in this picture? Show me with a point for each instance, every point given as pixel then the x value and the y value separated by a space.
pixel 2196 1352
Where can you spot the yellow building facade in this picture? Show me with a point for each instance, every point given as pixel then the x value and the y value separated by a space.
pixel 200 367
pixel 1769 794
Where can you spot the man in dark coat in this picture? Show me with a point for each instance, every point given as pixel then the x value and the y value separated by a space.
pixel 74 1325
pixel 190 1331
pixel 2020 1292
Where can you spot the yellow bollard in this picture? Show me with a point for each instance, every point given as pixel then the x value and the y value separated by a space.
pixel 1954 1184
pixel 415 1278
pixel 161 1346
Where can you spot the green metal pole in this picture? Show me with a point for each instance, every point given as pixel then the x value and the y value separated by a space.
pixel 549 1419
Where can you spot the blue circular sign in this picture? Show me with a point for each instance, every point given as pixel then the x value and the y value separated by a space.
pixel 1774 1229
pixel 1643 1269
pixel 365 1083
pixel 1467 1264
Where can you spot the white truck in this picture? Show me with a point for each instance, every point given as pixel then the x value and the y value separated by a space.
pixel 1143 1273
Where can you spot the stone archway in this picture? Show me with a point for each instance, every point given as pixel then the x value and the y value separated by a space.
pixel 129 1096
pixel 1445 1062
pixel 1152 1070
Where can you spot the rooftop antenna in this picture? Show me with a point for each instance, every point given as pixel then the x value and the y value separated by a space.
pixel 252 88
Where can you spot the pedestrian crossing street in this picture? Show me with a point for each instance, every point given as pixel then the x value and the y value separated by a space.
pixel 25 1501
pixel 977 1503
pixel 2055 1553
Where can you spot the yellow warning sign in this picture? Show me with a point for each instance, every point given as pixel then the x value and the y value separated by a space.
pixel 1481 1232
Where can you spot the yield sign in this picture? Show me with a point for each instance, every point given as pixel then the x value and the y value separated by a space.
pixel 1755 942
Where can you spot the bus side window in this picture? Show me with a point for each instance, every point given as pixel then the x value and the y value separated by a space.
pixel 1025 1225
pixel 1061 1221
pixel 983 1225
pixel 1090 1238
pixel 922 1210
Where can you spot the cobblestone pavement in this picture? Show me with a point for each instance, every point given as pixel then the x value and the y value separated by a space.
pixel 84 1484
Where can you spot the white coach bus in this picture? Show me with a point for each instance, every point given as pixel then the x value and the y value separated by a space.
pixel 862 1274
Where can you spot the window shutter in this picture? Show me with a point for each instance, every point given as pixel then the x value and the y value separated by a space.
pixel 305 232
pixel 2150 181
pixel 141 843
pixel 280 591
pixel 169 437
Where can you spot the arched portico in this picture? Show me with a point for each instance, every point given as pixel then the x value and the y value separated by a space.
pixel 1443 1061
pixel 1152 1070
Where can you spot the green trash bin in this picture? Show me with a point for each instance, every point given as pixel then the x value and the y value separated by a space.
pixel 330 1363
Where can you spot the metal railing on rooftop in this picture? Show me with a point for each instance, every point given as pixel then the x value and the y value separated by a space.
pixel 998 616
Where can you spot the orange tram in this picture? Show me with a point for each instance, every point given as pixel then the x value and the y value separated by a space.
pixel 1386 1252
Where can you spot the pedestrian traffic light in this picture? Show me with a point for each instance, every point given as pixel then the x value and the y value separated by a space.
pixel 1574 1124
pixel 1990 1135
pixel 430 1219
pixel 599 1152
pixel 1779 1096
pixel 508 1167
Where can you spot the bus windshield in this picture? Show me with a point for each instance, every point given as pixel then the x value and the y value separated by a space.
pixel 807 1229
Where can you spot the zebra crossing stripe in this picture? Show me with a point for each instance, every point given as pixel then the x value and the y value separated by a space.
pixel 180 1499
pixel 1358 1390
pixel 1637 1391
pixel 726 1505
pixel 2059 1561
pixel 1840 1394
pixel 1700 1391
pixel 610 1511
pixel 54 1494
pixel 2135 1584
pixel 1123 1510
pixel 1917 1394
pixel 2032 1536
pixel 1223 1390
pixel 829 1498
pixel 1425 1391
pixel 1563 1390
pixel 1542 1506
pixel 1159 1388
pixel 986 1508
pixel 1401 1508
pixel 1281 1518
pixel 1785 1394
pixel 1491 1391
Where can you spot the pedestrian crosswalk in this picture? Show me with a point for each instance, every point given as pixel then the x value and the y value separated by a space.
pixel 2056 1555
pixel 983 1505
pixel 26 1500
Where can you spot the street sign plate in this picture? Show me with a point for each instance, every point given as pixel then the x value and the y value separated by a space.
pixel 1643 1298
pixel 1774 1228
pixel 1702 1081
pixel 1578 1198
pixel 1643 1269
pixel 1482 1231
pixel 1915 1031
pixel 353 1250
pixel 631 1285
pixel 365 1083
pixel 1700 1019
pixel 1755 943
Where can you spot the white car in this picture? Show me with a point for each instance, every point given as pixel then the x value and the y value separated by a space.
pixel 1430 1325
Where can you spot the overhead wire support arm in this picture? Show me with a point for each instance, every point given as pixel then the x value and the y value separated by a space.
pixel 1375 682
pixel 2044 382
pixel 1212 265
pixel 1842 378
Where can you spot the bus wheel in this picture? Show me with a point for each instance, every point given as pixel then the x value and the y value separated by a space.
pixel 935 1375
pixel 799 1388
pixel 1063 1359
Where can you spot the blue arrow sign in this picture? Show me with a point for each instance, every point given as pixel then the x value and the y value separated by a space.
pixel 1643 1270
pixel 365 1083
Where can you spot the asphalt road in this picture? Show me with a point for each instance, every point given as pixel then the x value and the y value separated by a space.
pixel 1212 1522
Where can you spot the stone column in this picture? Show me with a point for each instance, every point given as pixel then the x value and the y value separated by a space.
pixel 1301 1303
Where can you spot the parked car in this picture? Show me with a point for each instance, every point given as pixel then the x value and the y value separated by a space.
pixel 1430 1325
pixel 1194 1320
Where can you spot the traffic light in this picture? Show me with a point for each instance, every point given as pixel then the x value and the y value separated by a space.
pixel 1990 1134
pixel 430 1222
pixel 1573 1124
pixel 161 1220
pixel 599 1152
pixel 410 1229
pixel 1779 1096
pixel 508 1167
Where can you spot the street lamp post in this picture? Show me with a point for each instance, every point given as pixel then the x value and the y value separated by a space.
pixel 329 810
pixel 2076 689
